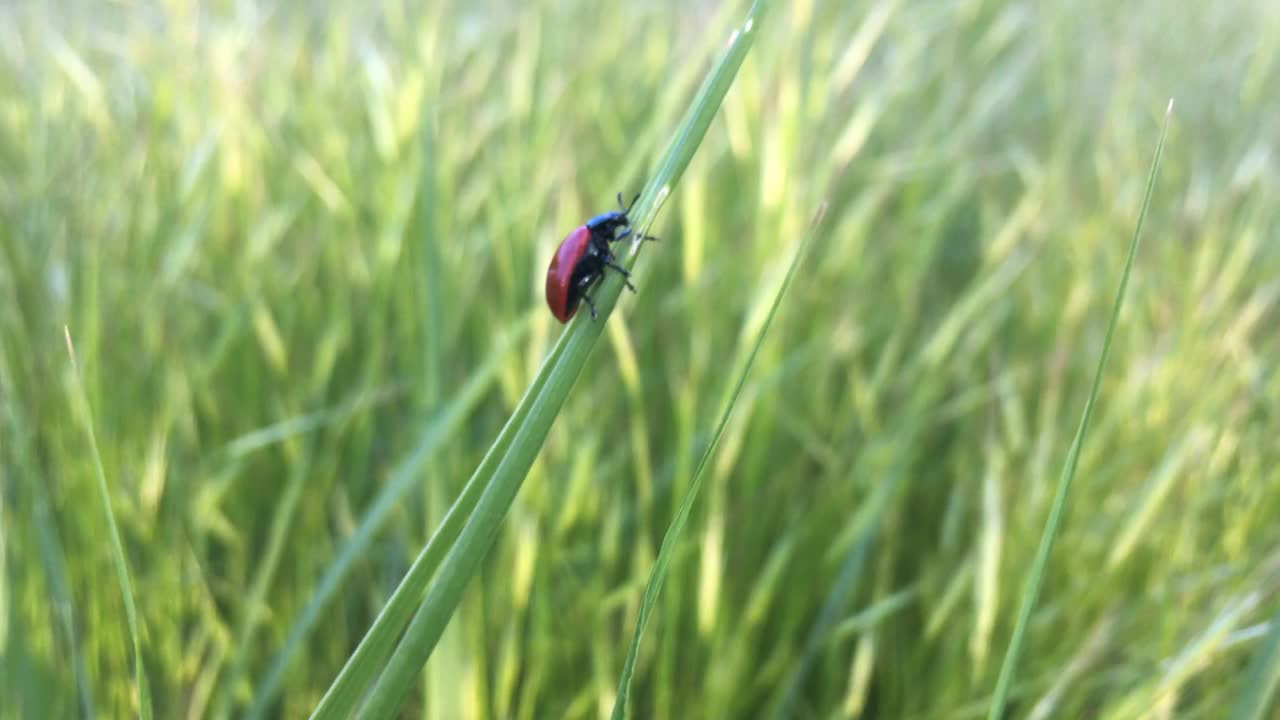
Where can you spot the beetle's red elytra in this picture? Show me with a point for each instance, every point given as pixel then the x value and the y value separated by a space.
pixel 582 258
pixel 560 275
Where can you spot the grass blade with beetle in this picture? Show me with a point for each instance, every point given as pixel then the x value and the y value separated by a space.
pixel 492 488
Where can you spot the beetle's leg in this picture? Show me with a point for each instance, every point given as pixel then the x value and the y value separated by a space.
pixel 626 233
pixel 586 283
pixel 626 274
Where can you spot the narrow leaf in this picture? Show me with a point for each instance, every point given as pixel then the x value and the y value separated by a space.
pixel 117 547
pixel 443 426
pixel 1264 674
pixel 659 573
pixel 495 484
pixel 1031 590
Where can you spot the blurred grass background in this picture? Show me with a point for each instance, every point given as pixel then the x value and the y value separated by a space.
pixel 300 248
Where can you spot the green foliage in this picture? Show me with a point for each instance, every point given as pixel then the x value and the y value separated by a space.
pixel 300 249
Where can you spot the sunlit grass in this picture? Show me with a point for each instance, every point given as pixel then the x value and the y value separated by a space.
pixel 301 252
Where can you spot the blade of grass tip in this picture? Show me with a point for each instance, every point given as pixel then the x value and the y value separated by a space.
pixel 538 409
pixel 340 699
pixel 1260 683
pixel 117 547
pixel 1031 590
pixel 686 141
pixel 659 573
pixel 437 431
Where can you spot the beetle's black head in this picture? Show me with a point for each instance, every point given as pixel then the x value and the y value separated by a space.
pixel 607 224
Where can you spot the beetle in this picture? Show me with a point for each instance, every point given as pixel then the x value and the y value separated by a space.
pixel 582 259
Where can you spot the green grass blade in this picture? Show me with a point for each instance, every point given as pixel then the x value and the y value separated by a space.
pixel 543 401
pixel 441 428
pixel 1264 674
pixel 658 575
pixel 117 548
pixel 1031 590
pixel 452 534
pixel 340 699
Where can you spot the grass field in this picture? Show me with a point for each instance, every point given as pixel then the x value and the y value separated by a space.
pixel 300 250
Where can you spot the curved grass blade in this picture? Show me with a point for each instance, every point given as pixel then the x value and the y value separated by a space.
pixel 1031 590
pixel 659 573
pixel 402 480
pixel 521 440
pixel 117 547
pixel 1260 683
pixel 340 699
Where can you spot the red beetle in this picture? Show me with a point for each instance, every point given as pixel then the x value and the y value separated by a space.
pixel 582 258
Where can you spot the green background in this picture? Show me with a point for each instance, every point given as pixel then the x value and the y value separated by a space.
pixel 300 249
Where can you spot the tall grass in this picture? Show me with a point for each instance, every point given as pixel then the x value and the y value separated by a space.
pixel 1039 566
pixel 118 559
pixel 301 251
